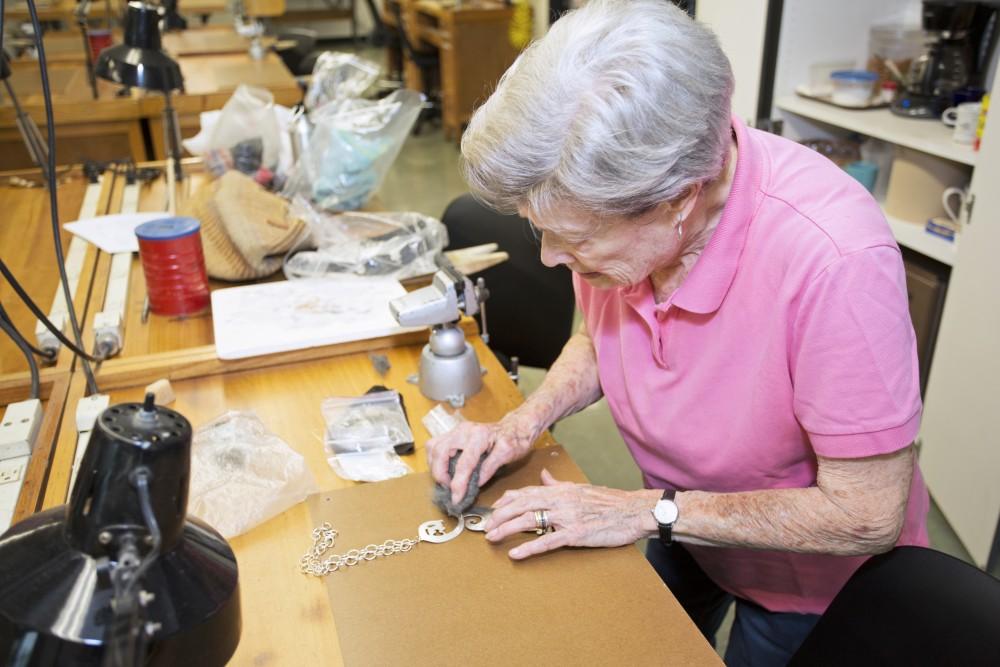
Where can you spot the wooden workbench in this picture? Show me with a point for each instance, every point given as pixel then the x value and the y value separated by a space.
pixel 27 248
pixel 66 46
pixel 208 41
pixel 474 49
pixel 107 128
pixel 287 617
pixel 113 127
pixel 63 10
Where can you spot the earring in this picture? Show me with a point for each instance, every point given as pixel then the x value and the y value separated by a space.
pixel 680 227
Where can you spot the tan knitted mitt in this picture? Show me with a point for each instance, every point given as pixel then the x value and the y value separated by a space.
pixel 245 229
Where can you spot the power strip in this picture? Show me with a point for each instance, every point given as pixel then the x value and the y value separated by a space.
pixel 18 431
pixel 87 412
pixel 109 324
pixel 75 257
pixel 11 481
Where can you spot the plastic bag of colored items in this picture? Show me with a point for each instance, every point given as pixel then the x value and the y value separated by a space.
pixel 242 474
pixel 396 245
pixel 362 434
pixel 246 135
pixel 352 145
pixel 339 76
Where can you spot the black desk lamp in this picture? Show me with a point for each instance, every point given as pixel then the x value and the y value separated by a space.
pixel 32 137
pixel 120 576
pixel 171 19
pixel 141 63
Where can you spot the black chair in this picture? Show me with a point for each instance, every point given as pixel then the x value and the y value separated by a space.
pixel 297 49
pixel 429 63
pixel 530 309
pixel 913 607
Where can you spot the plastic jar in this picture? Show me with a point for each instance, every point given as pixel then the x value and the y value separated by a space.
pixel 899 44
pixel 853 87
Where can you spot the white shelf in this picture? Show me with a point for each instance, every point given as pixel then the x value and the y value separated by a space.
pixel 913 236
pixel 924 135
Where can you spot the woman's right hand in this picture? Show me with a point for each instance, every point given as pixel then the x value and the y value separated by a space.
pixel 506 440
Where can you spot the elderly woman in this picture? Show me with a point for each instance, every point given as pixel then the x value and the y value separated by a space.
pixel 745 315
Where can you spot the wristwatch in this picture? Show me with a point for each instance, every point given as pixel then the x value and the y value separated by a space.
pixel 665 514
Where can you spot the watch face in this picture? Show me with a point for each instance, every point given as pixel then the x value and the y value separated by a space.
pixel 665 512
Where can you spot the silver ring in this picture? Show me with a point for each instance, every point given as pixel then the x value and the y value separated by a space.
pixel 541 522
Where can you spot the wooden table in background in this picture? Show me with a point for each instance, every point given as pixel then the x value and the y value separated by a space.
pixel 474 47
pixel 66 46
pixel 207 41
pixel 63 10
pixel 107 128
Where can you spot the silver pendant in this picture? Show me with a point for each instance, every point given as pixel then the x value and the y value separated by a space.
pixel 434 531
pixel 475 518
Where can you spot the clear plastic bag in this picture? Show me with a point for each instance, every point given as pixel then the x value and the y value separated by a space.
pixel 395 245
pixel 361 434
pixel 339 76
pixel 352 145
pixel 246 135
pixel 243 475
pixel 439 421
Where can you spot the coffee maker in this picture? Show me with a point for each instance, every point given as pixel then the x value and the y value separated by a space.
pixel 960 34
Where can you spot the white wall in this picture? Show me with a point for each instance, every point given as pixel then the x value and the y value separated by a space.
pixel 739 25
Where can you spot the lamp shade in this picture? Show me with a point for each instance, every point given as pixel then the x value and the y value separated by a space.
pixel 140 62
pixel 61 598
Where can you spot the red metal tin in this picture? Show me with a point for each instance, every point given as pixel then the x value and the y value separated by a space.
pixel 174 265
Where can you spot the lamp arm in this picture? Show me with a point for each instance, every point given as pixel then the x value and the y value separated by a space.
pixel 127 634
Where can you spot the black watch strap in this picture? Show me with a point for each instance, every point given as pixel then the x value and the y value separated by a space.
pixel 666 530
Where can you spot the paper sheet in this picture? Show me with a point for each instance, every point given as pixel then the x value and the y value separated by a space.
pixel 465 602
pixel 294 314
pixel 113 233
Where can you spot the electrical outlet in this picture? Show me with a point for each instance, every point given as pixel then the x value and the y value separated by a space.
pixel 88 409
pixel 11 480
pixel 19 428
pixel 12 470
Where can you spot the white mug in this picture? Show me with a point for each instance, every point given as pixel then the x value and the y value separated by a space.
pixel 964 118
pixel 959 214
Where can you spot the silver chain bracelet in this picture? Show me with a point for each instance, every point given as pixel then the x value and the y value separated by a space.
pixel 317 563
pixel 324 539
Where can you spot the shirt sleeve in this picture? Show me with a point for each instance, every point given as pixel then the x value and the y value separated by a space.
pixel 856 382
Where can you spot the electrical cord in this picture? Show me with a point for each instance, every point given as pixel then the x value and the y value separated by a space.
pixel 48 355
pixel 42 317
pixel 54 199
pixel 18 339
pixel 127 635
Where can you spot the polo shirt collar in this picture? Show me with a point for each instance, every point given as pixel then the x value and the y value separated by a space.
pixel 704 289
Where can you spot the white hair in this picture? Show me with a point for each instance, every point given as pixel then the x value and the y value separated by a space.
pixel 622 106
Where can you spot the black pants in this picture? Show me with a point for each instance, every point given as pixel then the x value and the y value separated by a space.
pixel 759 638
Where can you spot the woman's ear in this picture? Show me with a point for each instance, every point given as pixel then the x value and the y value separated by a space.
pixel 686 202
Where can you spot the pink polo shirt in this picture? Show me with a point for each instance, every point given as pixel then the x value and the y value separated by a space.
pixel 790 337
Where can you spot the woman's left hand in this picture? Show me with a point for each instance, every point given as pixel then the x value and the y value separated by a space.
pixel 582 515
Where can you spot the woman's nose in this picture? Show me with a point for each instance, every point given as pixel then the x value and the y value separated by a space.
pixel 552 255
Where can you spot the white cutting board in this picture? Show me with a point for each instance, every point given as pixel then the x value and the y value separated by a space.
pixel 294 314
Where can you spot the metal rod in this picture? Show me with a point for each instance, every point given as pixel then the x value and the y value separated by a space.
pixel 30 133
pixel 81 19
